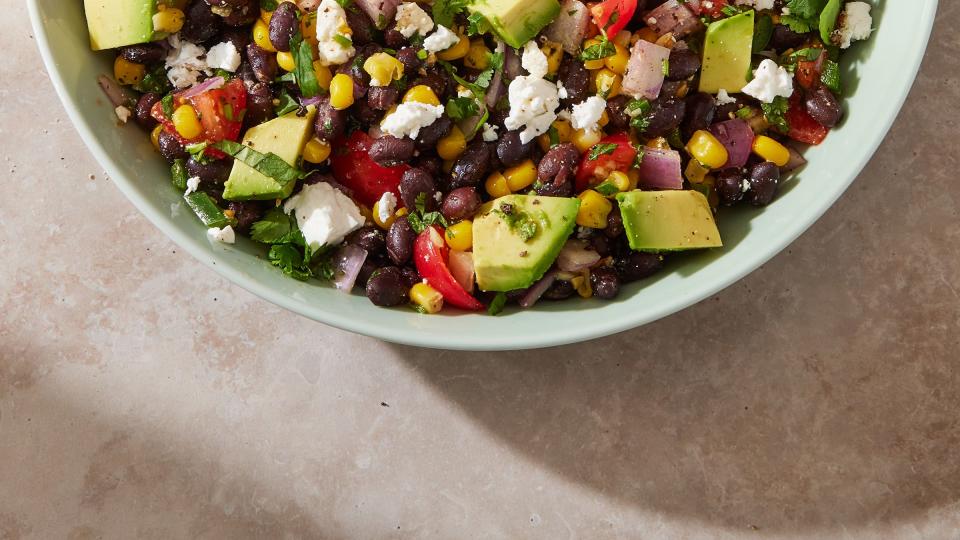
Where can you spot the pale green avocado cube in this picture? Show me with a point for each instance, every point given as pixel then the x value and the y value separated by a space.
pixel 727 49
pixel 502 258
pixel 118 23
pixel 517 21
pixel 668 220
pixel 284 136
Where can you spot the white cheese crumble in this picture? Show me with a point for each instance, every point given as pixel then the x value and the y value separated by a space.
pixel 490 133
pixel 586 115
pixel 412 19
pixel 224 56
pixel 185 63
pixel 533 100
pixel 332 22
pixel 769 81
pixel 855 24
pixel 123 113
pixel 562 90
pixel 225 235
pixel 386 206
pixel 410 118
pixel 440 40
pixel 192 184
pixel 723 98
pixel 758 4
pixel 324 214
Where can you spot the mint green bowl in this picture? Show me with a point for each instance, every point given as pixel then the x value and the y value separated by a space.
pixel 879 75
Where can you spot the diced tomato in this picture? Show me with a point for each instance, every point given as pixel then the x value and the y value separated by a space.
pixel 808 72
pixel 803 127
pixel 430 254
pixel 613 15
pixel 353 168
pixel 620 158
pixel 713 8
pixel 220 111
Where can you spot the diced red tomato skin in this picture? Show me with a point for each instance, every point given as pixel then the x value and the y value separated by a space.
pixel 716 9
pixel 808 72
pixel 604 11
pixel 803 128
pixel 593 171
pixel 352 167
pixel 430 255
pixel 217 124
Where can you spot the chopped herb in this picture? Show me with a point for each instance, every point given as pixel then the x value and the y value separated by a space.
pixel 607 188
pixel 601 149
pixel 154 81
pixel 496 305
pixel 599 51
pixel 639 158
pixel 381 21
pixel 303 70
pixel 422 54
pixel 460 108
pixel 343 41
pixel 730 11
pixel 518 221
pixel 167 104
pixel 178 174
pixel 290 260
pixel 196 149
pixel 268 164
pixel 496 60
pixel 762 32
pixel 268 5
pixel 744 113
pixel 287 103
pixel 554 136
pixel 276 227
pixel 797 24
pixel 831 77
pixel 665 67
pixel 478 87
pixel 445 10
pixel 420 219
pixel 774 112
pixel 345 3
pixel 207 210
pixel 477 24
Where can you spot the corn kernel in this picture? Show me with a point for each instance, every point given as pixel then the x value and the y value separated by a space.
pixel 620 180
pixel 451 146
pixel 428 299
pixel 706 149
pixel 341 91
pixel 696 172
pixel 364 211
pixel 660 143
pixel 771 150
pixel 521 175
pixel 376 217
pixel 647 34
pixel 478 57
pixel 308 27
pixel 265 16
pixel 383 69
pixel 316 151
pixel 285 61
pixel 606 83
pixel 186 123
pixel 457 51
pixel 261 36
pixel 421 94
pixel 168 20
pixel 584 139
pixel 460 235
pixel 594 209
pixel 323 73
pixel 667 40
pixel 592 64
pixel 155 136
pixel 618 62
pixel 623 38
pixel 582 285
pixel 554 53
pixel 604 119
pixel 634 176
pixel 496 185
pixel 127 72
pixel 564 134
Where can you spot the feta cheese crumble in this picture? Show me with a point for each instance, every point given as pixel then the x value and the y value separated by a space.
pixel 412 19
pixel 386 206
pixel 440 40
pixel 856 24
pixel 224 56
pixel 757 4
pixel 490 133
pixel 324 214
pixel 410 118
pixel 723 98
pixel 562 90
pixel 332 22
pixel 586 115
pixel 192 184
pixel 533 100
pixel 185 63
pixel 123 113
pixel 769 81
pixel 225 235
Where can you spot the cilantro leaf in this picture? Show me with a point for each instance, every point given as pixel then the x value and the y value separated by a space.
pixel 460 108
pixel 606 188
pixel 601 149
pixel 477 24
pixel 831 77
pixel 167 104
pixel 290 260
pixel 496 305
pixel 599 51
pixel 797 24
pixel 303 70
pixel 496 60
pixel 445 10
pixel 806 9
pixel 286 103
pixel 275 228
pixel 774 112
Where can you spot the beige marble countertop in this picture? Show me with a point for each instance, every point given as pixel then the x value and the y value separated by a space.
pixel 141 396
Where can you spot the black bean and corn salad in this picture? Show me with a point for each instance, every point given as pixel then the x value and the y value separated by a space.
pixel 473 153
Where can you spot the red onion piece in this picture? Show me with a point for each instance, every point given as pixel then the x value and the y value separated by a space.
pixel 576 256
pixel 537 289
pixel 694 6
pixel 118 95
pixel 673 17
pixel 570 27
pixel 737 137
pixel 375 9
pixel 660 169
pixel 210 84
pixel 315 100
pixel 347 262
pixel 511 64
pixel 644 77
pixel 460 264
pixel 796 160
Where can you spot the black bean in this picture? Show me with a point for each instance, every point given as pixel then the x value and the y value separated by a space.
pixel 381 98
pixel 246 213
pixel 617 113
pixel 683 64
pixel 259 105
pixel 428 136
pixel 369 238
pixel 784 38
pixel 431 164
pixel 147 53
pixel 823 106
pixel 239 38
pixel 362 27
pixel 415 183
pixel 601 244
pixel 170 147
pixel 764 181
pixel 370 265
pixel 472 166
pixel 141 113
pixel 555 171
pixel 243 13
pixel 283 25
pixel 605 283
pixel 210 171
pixel 560 290
pixel 664 117
pixel 200 23
pixel 614 226
pixel 364 114
pixel 511 151
pixel 634 266
pixel 388 151
pixel 699 113
pixel 575 78
pixel 408 57
pixel 387 287
pixel 330 123
pixel 460 203
pixel 729 187
pixel 410 276
pixel 438 82
pixel 263 63
pixel 400 238
pixel 393 38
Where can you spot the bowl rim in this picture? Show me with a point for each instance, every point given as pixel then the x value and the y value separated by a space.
pixel 599 327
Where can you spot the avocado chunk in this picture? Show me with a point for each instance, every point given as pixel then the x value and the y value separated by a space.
pixel 118 23
pixel 668 220
pixel 726 54
pixel 284 136
pixel 516 21
pixel 516 238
